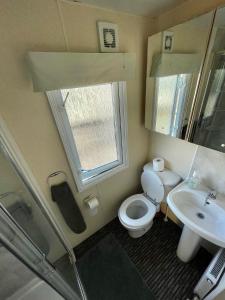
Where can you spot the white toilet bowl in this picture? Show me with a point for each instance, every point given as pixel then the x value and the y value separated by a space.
pixel 136 213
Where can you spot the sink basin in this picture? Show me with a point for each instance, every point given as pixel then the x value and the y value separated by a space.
pixel 200 221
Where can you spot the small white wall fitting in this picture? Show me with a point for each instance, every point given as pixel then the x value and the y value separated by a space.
pixel 108 37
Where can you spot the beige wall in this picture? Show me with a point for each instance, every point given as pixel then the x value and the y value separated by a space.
pixel 39 25
pixel 178 154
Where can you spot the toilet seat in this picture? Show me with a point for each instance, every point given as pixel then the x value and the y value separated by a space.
pixel 134 223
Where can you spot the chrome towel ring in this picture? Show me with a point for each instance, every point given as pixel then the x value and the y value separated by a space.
pixel 55 174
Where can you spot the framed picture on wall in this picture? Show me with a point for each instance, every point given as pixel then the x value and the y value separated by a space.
pixel 167 41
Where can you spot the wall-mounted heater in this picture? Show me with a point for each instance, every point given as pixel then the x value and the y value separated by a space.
pixel 211 279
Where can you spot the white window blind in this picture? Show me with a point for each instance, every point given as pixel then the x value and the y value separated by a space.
pixel 58 70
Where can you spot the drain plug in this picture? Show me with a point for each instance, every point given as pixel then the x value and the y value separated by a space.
pixel 200 215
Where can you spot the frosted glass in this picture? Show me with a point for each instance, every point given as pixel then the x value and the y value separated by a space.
pixel 165 100
pixel 170 107
pixel 91 116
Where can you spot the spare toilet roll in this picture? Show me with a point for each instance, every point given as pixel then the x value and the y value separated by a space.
pixel 93 205
pixel 158 164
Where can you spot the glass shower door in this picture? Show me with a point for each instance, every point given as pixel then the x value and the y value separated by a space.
pixel 17 281
pixel 25 268
pixel 21 205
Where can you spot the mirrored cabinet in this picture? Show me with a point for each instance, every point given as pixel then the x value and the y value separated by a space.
pixel 185 84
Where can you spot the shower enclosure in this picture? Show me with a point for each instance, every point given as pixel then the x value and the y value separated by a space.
pixel 34 253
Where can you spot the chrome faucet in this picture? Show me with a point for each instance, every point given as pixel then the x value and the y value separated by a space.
pixel 211 196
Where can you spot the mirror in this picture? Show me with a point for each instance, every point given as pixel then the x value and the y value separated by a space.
pixel 175 59
pixel 208 125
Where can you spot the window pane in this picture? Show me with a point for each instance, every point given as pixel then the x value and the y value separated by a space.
pixel 91 116
pixel 171 95
pixel 166 88
pixel 181 106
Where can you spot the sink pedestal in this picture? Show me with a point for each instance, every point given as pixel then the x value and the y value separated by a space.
pixel 189 244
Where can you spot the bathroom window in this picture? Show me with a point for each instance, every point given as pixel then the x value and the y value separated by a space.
pixel 92 124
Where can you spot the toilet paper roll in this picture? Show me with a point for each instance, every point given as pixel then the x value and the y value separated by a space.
pixel 92 204
pixel 158 164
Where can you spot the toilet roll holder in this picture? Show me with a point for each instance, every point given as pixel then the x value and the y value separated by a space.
pixel 92 210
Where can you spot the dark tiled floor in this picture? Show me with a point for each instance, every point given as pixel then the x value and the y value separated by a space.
pixel 154 255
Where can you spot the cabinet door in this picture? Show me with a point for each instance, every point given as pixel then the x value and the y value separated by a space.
pixel 209 127
pixel 173 75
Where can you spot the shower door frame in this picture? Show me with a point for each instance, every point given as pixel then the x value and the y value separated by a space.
pixel 13 153
pixel 19 244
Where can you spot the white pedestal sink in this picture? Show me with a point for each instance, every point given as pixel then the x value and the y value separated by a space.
pixel 200 221
pixel 189 244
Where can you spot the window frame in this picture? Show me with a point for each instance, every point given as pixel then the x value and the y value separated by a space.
pixel 101 173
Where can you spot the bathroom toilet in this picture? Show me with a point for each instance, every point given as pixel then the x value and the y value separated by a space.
pixel 136 213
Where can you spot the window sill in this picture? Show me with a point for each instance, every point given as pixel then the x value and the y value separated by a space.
pixel 101 177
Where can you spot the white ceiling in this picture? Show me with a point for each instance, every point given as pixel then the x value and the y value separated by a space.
pixel 136 7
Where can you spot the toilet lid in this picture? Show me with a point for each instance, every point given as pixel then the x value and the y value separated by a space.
pixel 152 185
